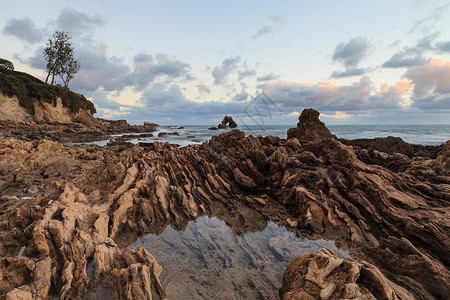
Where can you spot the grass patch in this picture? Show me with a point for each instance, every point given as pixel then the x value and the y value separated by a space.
pixel 28 89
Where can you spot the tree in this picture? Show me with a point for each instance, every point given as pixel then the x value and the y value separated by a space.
pixel 59 57
pixel 6 64
pixel 69 70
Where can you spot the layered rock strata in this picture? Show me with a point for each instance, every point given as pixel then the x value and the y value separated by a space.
pixel 62 237
pixel 323 275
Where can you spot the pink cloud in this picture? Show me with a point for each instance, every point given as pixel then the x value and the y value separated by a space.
pixel 429 79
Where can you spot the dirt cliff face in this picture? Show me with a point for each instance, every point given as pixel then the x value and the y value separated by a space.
pixel 69 227
pixel 12 111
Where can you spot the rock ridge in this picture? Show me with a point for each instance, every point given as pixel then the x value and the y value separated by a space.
pixel 68 225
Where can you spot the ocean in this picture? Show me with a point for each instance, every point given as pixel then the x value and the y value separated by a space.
pixel 413 134
pixel 195 135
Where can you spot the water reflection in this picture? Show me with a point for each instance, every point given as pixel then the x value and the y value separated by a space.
pixel 207 261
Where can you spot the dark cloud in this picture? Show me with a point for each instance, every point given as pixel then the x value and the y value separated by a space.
pixel 349 73
pixel 76 22
pixel 268 77
pixel 352 52
pixel 23 29
pixel 221 73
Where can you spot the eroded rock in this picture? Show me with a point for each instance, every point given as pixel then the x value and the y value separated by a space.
pixel 309 127
pixel 75 220
pixel 323 275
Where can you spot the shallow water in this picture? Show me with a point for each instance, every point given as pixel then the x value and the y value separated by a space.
pixel 208 261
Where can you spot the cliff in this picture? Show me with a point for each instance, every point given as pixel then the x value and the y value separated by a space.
pixel 24 98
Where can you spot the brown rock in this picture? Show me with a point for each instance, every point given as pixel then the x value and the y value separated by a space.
pixel 323 275
pixel 309 127
pixel 73 221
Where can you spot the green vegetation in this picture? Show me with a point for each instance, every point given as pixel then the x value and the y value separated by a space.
pixel 29 89
pixel 59 57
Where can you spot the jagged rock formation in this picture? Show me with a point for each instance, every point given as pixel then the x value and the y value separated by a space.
pixel 322 275
pixel 396 218
pixel 309 127
pixel 227 122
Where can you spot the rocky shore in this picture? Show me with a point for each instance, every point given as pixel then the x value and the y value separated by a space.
pixel 67 211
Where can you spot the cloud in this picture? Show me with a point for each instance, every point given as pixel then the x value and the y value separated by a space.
pixel 443 46
pixel 76 22
pixel 352 52
pixel 243 96
pixel 340 115
pixel 413 56
pixel 277 19
pixel 163 95
pixel 202 88
pixel 268 77
pixel 427 23
pixel 431 85
pixel 161 101
pixel 245 72
pixel 326 96
pixel 265 30
pixel 147 68
pixel 36 61
pixel 349 72
pixel 350 55
pixel 426 42
pixel 404 59
pixel 23 29
pixel 98 70
pixel 268 29
pixel 221 73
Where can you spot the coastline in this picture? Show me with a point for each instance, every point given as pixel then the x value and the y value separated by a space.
pixel 73 208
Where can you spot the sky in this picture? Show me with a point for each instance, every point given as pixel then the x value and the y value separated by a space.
pixel 193 62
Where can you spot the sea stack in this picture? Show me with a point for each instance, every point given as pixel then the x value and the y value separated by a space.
pixel 309 127
pixel 227 122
